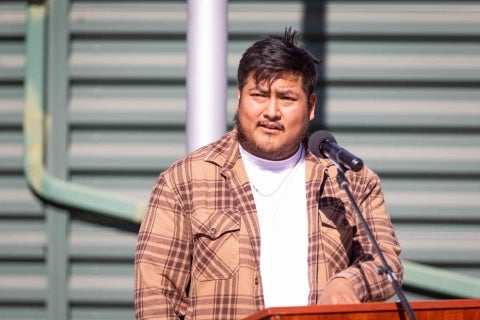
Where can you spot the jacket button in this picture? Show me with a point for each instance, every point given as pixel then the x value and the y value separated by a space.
pixel 213 230
pixel 256 281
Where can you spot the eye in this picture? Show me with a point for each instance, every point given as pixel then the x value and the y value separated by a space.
pixel 257 95
pixel 288 98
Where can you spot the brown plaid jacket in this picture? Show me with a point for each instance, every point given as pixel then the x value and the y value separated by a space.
pixel 199 243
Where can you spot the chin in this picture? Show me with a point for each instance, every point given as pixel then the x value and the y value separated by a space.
pixel 270 153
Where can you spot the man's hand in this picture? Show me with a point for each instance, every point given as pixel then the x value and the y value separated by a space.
pixel 339 291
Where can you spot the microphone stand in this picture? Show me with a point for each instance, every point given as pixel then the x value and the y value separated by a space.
pixel 385 269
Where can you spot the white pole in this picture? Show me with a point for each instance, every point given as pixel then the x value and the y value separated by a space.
pixel 207 36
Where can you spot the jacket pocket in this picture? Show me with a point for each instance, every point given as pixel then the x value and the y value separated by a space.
pixel 216 244
pixel 337 235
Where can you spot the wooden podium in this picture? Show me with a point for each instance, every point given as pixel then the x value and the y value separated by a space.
pixel 457 309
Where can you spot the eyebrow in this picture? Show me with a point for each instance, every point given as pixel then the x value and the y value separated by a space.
pixel 287 92
pixel 281 92
pixel 257 88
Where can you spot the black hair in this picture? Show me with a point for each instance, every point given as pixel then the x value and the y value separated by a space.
pixel 274 56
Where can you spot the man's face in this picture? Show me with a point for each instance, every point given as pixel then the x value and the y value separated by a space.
pixel 273 119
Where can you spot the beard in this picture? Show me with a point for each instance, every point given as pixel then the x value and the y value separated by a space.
pixel 262 151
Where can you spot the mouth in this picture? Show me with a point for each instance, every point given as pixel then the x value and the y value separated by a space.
pixel 271 126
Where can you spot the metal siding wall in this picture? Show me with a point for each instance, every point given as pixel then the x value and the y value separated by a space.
pixel 403 83
pixel 127 115
pixel 399 89
pixel 395 91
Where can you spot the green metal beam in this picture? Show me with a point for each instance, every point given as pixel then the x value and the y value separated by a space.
pixel 440 281
pixel 57 219
pixel 47 187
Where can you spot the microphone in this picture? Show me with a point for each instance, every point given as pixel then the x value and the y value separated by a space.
pixel 323 144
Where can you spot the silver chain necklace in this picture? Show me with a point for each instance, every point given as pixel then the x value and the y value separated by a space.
pixel 281 182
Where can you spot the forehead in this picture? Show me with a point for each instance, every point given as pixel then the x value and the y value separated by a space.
pixel 289 80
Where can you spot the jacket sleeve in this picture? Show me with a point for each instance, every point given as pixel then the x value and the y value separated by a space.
pixel 365 262
pixel 163 257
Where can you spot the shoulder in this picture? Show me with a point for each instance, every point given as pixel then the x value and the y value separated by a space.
pixel 217 154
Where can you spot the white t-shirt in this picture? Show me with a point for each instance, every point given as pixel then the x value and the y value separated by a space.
pixel 280 198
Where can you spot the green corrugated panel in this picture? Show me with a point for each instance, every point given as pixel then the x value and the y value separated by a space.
pixel 36 312
pixel 415 153
pixel 109 312
pixel 11 102
pixel 102 266
pixel 440 243
pixel 22 289
pixel 136 186
pixel 412 106
pixel 126 18
pixel 11 150
pixel 264 17
pixel 22 239
pixel 430 199
pixel 129 105
pixel 12 18
pixel 128 59
pixel 403 61
pixel 12 61
pixel 16 198
pixel 90 241
pixel 404 18
pixel 128 150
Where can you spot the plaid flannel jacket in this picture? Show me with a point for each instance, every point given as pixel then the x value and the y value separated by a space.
pixel 198 246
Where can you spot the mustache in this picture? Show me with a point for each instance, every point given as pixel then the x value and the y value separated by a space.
pixel 270 125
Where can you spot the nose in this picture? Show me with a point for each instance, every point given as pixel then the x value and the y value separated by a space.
pixel 272 111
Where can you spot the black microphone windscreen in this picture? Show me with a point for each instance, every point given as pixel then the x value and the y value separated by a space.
pixel 316 139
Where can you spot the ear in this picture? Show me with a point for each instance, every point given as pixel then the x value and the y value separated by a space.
pixel 312 102
pixel 239 94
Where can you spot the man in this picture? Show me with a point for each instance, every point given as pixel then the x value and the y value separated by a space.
pixel 255 220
